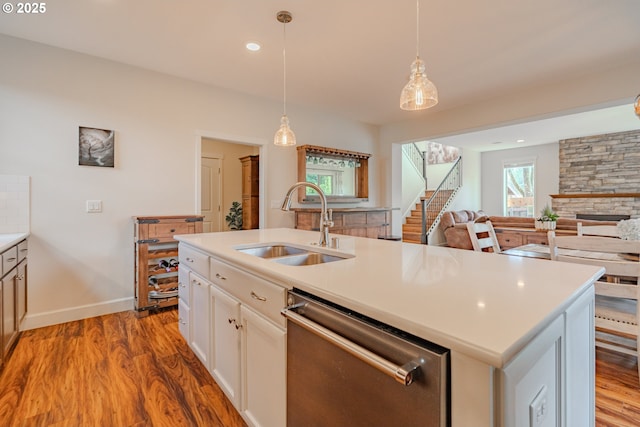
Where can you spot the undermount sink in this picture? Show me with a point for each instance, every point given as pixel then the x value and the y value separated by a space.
pixel 272 251
pixel 310 258
pixel 291 255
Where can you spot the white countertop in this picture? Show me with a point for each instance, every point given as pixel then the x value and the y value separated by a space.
pixel 9 239
pixel 485 305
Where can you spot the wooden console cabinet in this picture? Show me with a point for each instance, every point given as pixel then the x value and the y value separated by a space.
pixel 154 243
pixel 512 237
pixel 360 222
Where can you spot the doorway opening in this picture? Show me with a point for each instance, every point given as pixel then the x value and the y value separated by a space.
pixel 219 179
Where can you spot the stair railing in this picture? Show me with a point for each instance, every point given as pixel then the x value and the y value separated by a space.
pixel 440 199
pixel 418 158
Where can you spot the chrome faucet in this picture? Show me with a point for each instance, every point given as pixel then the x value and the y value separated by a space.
pixel 326 216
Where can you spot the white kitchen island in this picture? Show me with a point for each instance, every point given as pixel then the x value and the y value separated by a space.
pixel 518 328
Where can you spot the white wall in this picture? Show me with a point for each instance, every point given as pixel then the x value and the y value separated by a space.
pixel 412 185
pixel 547 172
pixel 14 204
pixel 469 196
pixel 616 85
pixel 81 264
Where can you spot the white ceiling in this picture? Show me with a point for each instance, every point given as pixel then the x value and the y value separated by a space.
pixel 351 57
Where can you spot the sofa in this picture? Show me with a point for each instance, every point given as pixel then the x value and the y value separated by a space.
pixel 454 226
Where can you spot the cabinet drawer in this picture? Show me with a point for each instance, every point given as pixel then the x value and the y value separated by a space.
pixel 168 230
pixel 9 259
pixel 509 240
pixel 538 238
pixel 264 297
pixel 23 249
pixel 357 218
pixel 193 259
pixel 376 218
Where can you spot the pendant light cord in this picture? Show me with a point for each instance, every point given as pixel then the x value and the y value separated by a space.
pixel 417 28
pixel 284 66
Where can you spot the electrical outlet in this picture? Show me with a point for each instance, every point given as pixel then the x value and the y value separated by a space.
pixel 538 408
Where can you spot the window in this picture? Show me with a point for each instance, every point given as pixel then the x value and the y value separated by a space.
pixel 519 188
pixel 324 180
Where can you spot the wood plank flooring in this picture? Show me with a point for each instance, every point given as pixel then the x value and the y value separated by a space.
pixel 617 390
pixel 119 370
pixel 115 370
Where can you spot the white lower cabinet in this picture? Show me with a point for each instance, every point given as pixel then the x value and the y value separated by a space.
pixel 249 343
pixel 232 322
pixel 184 304
pixel 248 360
pixel 200 318
pixel 265 370
pixel 225 354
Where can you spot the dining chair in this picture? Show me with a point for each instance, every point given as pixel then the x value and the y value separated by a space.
pixel 483 237
pixel 598 230
pixel 616 303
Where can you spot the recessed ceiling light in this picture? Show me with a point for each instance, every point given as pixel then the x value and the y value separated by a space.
pixel 520 140
pixel 253 46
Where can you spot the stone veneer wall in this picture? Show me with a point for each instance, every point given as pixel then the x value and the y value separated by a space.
pixel 607 163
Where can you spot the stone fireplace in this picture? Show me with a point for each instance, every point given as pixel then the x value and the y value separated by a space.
pixel 599 175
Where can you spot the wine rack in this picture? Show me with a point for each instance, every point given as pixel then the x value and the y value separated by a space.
pixel 156 259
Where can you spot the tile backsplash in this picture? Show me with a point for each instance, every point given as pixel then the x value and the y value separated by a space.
pixel 14 203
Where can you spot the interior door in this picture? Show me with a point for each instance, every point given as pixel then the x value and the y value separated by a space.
pixel 211 198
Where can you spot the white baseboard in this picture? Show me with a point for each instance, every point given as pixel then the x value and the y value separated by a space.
pixel 55 317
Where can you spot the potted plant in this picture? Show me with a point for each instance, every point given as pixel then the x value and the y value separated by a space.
pixel 234 217
pixel 547 219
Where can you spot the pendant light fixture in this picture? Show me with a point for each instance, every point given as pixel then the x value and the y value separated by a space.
pixel 636 105
pixel 284 136
pixel 419 93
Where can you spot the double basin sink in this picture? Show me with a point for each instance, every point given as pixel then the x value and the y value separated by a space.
pixel 291 255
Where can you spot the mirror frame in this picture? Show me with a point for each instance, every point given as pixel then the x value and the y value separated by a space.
pixel 361 178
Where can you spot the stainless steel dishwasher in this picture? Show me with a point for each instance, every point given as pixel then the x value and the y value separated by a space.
pixel 345 369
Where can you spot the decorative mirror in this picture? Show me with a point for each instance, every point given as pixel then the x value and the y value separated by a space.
pixel 343 175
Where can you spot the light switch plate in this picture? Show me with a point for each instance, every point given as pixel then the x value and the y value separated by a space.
pixel 94 206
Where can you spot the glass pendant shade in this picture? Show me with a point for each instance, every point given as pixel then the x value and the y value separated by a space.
pixel 419 93
pixel 284 136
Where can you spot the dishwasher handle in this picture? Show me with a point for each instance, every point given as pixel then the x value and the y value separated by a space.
pixel 404 374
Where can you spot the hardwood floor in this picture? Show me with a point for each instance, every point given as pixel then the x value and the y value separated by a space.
pixel 617 390
pixel 114 370
pixel 119 370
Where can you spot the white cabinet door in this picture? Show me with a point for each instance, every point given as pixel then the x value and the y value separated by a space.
pixel 580 361
pixel 225 360
pixel 264 370
pixel 200 319
pixel 183 320
pixel 184 301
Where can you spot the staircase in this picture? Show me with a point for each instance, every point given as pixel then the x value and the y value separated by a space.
pixel 417 229
pixel 412 228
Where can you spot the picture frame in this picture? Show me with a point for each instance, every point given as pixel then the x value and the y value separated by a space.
pixel 96 147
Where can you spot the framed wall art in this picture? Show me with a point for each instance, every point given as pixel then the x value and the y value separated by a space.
pixel 96 147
